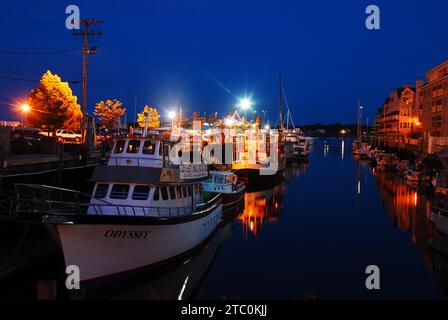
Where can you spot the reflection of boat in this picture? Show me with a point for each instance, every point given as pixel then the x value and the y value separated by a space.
pixel 225 183
pixel 144 210
pixel 261 206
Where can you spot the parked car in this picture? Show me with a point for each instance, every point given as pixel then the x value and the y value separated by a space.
pixel 25 140
pixel 64 135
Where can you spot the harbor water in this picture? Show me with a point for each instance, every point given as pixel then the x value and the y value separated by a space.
pixel 310 237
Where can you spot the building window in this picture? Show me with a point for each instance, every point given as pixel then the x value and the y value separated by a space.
pixel 119 191
pixel 101 191
pixel 140 193
pixel 119 146
pixel 133 146
pixel 149 147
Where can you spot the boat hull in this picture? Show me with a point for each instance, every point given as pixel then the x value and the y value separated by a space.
pixel 101 250
pixel 256 181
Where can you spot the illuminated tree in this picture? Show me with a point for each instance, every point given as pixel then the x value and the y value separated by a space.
pixel 109 112
pixel 53 104
pixel 153 119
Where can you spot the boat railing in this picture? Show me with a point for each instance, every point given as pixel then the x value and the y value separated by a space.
pixel 7 198
pixel 41 199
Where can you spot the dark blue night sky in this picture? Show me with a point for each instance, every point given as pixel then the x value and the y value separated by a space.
pixel 202 55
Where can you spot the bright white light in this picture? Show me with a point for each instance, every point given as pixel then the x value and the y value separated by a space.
pixel 171 115
pixel 184 286
pixel 245 103
pixel 25 107
pixel 267 127
pixel 229 122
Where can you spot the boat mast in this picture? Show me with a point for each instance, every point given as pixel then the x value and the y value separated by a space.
pixel 280 105
pixel 358 133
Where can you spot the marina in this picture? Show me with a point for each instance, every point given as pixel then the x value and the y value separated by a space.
pixel 240 159
pixel 396 231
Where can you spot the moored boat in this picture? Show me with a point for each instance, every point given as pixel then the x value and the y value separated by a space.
pixel 144 210
pixel 225 183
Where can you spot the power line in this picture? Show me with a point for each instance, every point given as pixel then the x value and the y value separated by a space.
pixel 33 80
pixel 13 19
pixel 24 53
pixel 33 74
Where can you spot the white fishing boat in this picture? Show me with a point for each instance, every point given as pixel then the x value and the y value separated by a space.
pixel 144 210
pixel 225 183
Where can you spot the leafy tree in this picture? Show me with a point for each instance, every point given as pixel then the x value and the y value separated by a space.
pixel 109 112
pixel 53 104
pixel 152 115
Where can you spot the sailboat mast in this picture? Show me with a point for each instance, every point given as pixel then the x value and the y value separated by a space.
pixel 358 133
pixel 280 105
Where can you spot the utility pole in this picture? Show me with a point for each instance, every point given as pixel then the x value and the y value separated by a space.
pixel 85 33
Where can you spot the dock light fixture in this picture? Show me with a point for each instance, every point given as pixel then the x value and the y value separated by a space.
pixel 171 116
pixel 245 103
pixel 267 127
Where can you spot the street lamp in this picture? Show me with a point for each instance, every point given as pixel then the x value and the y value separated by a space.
pixel 25 109
pixel 172 115
pixel 245 104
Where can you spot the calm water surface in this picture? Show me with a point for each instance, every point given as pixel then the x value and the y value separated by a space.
pixel 310 237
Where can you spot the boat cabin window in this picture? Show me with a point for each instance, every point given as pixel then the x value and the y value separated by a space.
pixel 172 193
pixel 160 149
pixel 164 193
pixel 101 190
pixel 140 193
pixel 156 196
pixel 189 192
pixel 179 192
pixel 184 192
pixel 119 146
pixel 149 147
pixel 119 191
pixel 133 146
